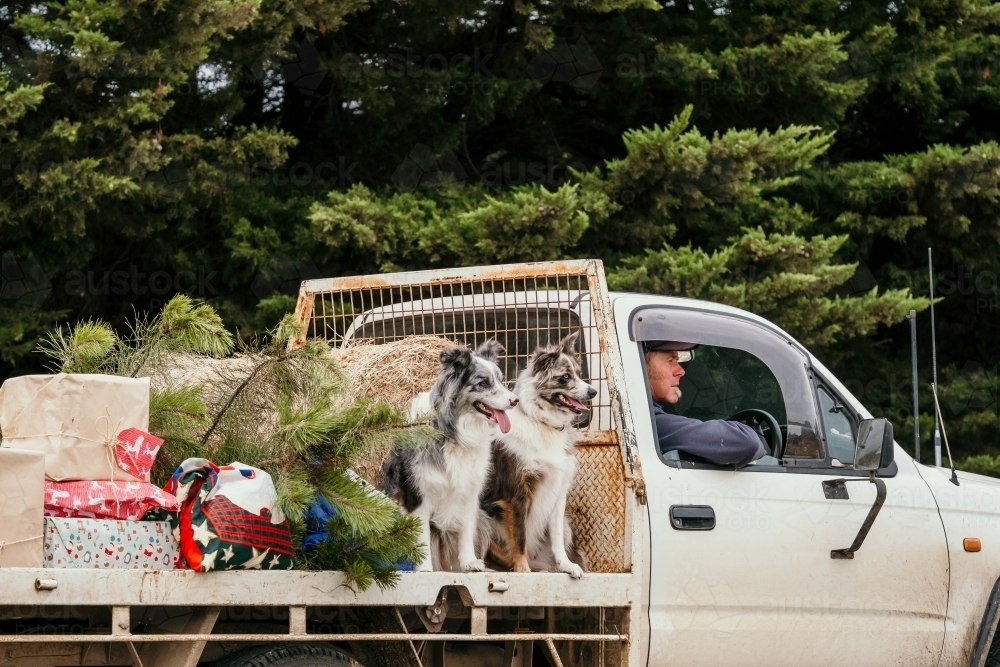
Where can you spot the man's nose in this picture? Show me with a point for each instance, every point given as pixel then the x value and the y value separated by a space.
pixel 680 371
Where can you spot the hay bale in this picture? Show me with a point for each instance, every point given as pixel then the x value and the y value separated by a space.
pixel 186 370
pixel 392 372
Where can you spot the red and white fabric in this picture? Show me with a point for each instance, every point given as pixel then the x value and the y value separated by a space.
pixel 124 501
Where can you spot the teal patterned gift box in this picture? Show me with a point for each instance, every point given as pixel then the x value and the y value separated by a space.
pixel 108 544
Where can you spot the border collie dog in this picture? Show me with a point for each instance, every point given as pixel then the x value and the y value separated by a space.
pixel 534 465
pixel 441 483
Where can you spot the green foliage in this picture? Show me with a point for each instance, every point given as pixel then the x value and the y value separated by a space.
pixel 184 326
pixel 85 349
pixel 781 277
pixel 366 558
pixel 288 410
pixel 983 464
pixel 465 226
pixel 173 139
pixel 678 179
pixel 177 414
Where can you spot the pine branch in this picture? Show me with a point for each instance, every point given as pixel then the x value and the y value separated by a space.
pixel 363 511
pixel 85 350
pixel 185 325
pixel 236 394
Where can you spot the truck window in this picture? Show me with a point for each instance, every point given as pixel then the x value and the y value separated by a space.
pixel 837 426
pixel 721 381
pixel 738 365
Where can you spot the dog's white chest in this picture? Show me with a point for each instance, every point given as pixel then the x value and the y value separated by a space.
pixel 549 453
pixel 455 488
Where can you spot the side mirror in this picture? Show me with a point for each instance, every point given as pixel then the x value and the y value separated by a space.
pixel 874 448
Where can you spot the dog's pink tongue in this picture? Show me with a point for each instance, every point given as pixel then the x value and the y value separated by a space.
pixel 576 404
pixel 502 420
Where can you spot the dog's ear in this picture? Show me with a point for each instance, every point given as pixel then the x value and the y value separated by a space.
pixel 568 344
pixel 543 359
pixel 490 350
pixel 458 358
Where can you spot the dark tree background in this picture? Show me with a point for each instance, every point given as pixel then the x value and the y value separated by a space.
pixel 795 158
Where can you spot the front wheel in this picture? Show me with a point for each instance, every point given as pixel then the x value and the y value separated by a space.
pixel 993 655
pixel 286 655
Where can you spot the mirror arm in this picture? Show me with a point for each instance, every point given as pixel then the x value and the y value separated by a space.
pixel 848 553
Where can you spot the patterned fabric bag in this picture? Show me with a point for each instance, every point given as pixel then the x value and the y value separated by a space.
pixel 229 518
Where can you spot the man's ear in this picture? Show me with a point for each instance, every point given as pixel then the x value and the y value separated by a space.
pixel 490 350
pixel 568 344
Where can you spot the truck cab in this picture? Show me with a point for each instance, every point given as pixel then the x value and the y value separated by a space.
pixel 748 577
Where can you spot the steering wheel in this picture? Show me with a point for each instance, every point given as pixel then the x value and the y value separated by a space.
pixel 764 425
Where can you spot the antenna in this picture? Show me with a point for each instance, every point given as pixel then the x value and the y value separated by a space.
pixel 916 386
pixel 938 419
pixel 937 423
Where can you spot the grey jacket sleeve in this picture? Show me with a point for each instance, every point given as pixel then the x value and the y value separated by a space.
pixel 717 441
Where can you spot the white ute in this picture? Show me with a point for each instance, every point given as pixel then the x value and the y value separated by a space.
pixel 835 549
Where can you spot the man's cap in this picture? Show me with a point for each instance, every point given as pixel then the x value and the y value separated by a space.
pixel 668 346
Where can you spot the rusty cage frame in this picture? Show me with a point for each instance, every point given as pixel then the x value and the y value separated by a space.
pixel 522 305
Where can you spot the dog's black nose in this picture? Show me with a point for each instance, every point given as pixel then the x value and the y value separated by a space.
pixel 591 392
pixel 513 401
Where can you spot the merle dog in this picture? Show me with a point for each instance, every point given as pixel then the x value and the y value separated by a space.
pixel 441 483
pixel 534 466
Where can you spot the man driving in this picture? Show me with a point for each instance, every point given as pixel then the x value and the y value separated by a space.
pixel 717 441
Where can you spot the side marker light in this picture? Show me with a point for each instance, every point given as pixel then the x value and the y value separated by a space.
pixel 972 544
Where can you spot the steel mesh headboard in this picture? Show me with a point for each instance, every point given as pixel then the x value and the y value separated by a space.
pixel 523 306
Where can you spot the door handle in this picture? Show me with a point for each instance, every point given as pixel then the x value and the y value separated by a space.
pixel 692 517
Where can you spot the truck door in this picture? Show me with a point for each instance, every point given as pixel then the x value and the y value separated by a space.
pixel 740 569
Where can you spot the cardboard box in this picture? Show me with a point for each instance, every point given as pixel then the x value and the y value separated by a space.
pixel 22 498
pixel 74 419
pixel 108 544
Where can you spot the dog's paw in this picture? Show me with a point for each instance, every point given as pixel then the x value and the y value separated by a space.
pixel 572 569
pixel 474 566
pixel 521 565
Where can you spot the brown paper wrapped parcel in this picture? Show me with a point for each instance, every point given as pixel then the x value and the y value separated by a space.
pixel 22 499
pixel 74 419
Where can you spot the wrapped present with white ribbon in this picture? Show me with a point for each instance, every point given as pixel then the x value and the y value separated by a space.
pixel 106 544
pixel 22 498
pixel 74 420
